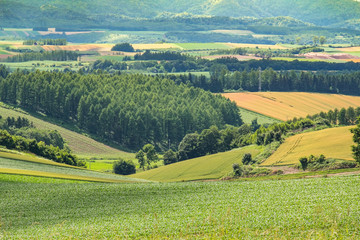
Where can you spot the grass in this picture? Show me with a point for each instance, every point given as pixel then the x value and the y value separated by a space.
pixel 247 116
pixel 78 143
pixel 333 143
pixel 287 105
pixel 320 208
pixel 308 59
pixel 202 46
pixel 45 168
pixel 208 167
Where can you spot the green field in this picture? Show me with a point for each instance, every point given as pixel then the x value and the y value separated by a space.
pixel 202 46
pixel 43 65
pixel 248 116
pixel 20 164
pixel 321 208
pixel 208 167
pixel 78 143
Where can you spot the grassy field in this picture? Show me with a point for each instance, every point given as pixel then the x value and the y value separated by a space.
pixel 208 167
pixel 248 116
pixel 202 46
pixel 320 208
pixel 287 105
pixel 79 144
pixel 333 143
pixel 20 164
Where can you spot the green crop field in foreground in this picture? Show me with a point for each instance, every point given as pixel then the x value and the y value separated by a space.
pixel 208 167
pixel 320 208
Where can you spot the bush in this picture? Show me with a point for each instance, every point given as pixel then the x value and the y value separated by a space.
pixel 124 167
pixel 124 47
pixel 247 159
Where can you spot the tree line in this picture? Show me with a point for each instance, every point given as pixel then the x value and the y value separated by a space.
pixel 46 55
pixel 130 110
pixel 233 64
pixel 57 42
pixel 39 148
pixel 248 80
pixel 214 140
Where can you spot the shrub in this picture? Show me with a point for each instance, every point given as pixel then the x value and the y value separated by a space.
pixel 124 167
pixel 247 159
pixel 124 47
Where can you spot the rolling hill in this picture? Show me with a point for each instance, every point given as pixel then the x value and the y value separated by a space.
pixel 91 13
pixel 78 143
pixel 15 163
pixel 287 105
pixel 208 167
pixel 333 143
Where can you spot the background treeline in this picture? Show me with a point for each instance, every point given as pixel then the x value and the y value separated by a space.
pixel 267 53
pixel 47 41
pixel 221 79
pixel 41 56
pixel 232 64
pixel 129 109
pixel 147 55
pixel 213 140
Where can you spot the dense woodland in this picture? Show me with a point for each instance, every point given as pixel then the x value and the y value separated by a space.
pixel 129 109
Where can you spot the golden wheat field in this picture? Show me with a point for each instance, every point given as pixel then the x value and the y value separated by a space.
pixel 333 143
pixel 287 105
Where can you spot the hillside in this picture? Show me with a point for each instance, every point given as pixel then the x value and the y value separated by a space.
pixel 78 143
pixel 85 13
pixel 333 143
pixel 208 167
pixel 287 105
pixel 23 164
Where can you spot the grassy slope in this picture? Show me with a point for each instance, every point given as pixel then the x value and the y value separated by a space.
pixel 208 167
pixel 321 208
pixel 79 144
pixel 333 143
pixel 22 164
pixel 287 105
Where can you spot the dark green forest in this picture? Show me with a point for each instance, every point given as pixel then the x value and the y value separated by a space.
pixel 130 110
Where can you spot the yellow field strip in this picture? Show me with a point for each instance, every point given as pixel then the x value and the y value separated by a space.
pixel 58 175
pixel 287 105
pixel 333 143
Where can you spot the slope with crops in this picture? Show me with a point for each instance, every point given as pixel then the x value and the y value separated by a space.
pixel 333 143
pixel 16 163
pixel 287 105
pixel 208 167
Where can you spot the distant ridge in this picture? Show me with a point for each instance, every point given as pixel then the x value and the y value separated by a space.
pixel 109 12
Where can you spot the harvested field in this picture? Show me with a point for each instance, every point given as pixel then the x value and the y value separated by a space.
pixel 287 105
pixel 337 56
pixel 80 47
pixel 333 143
